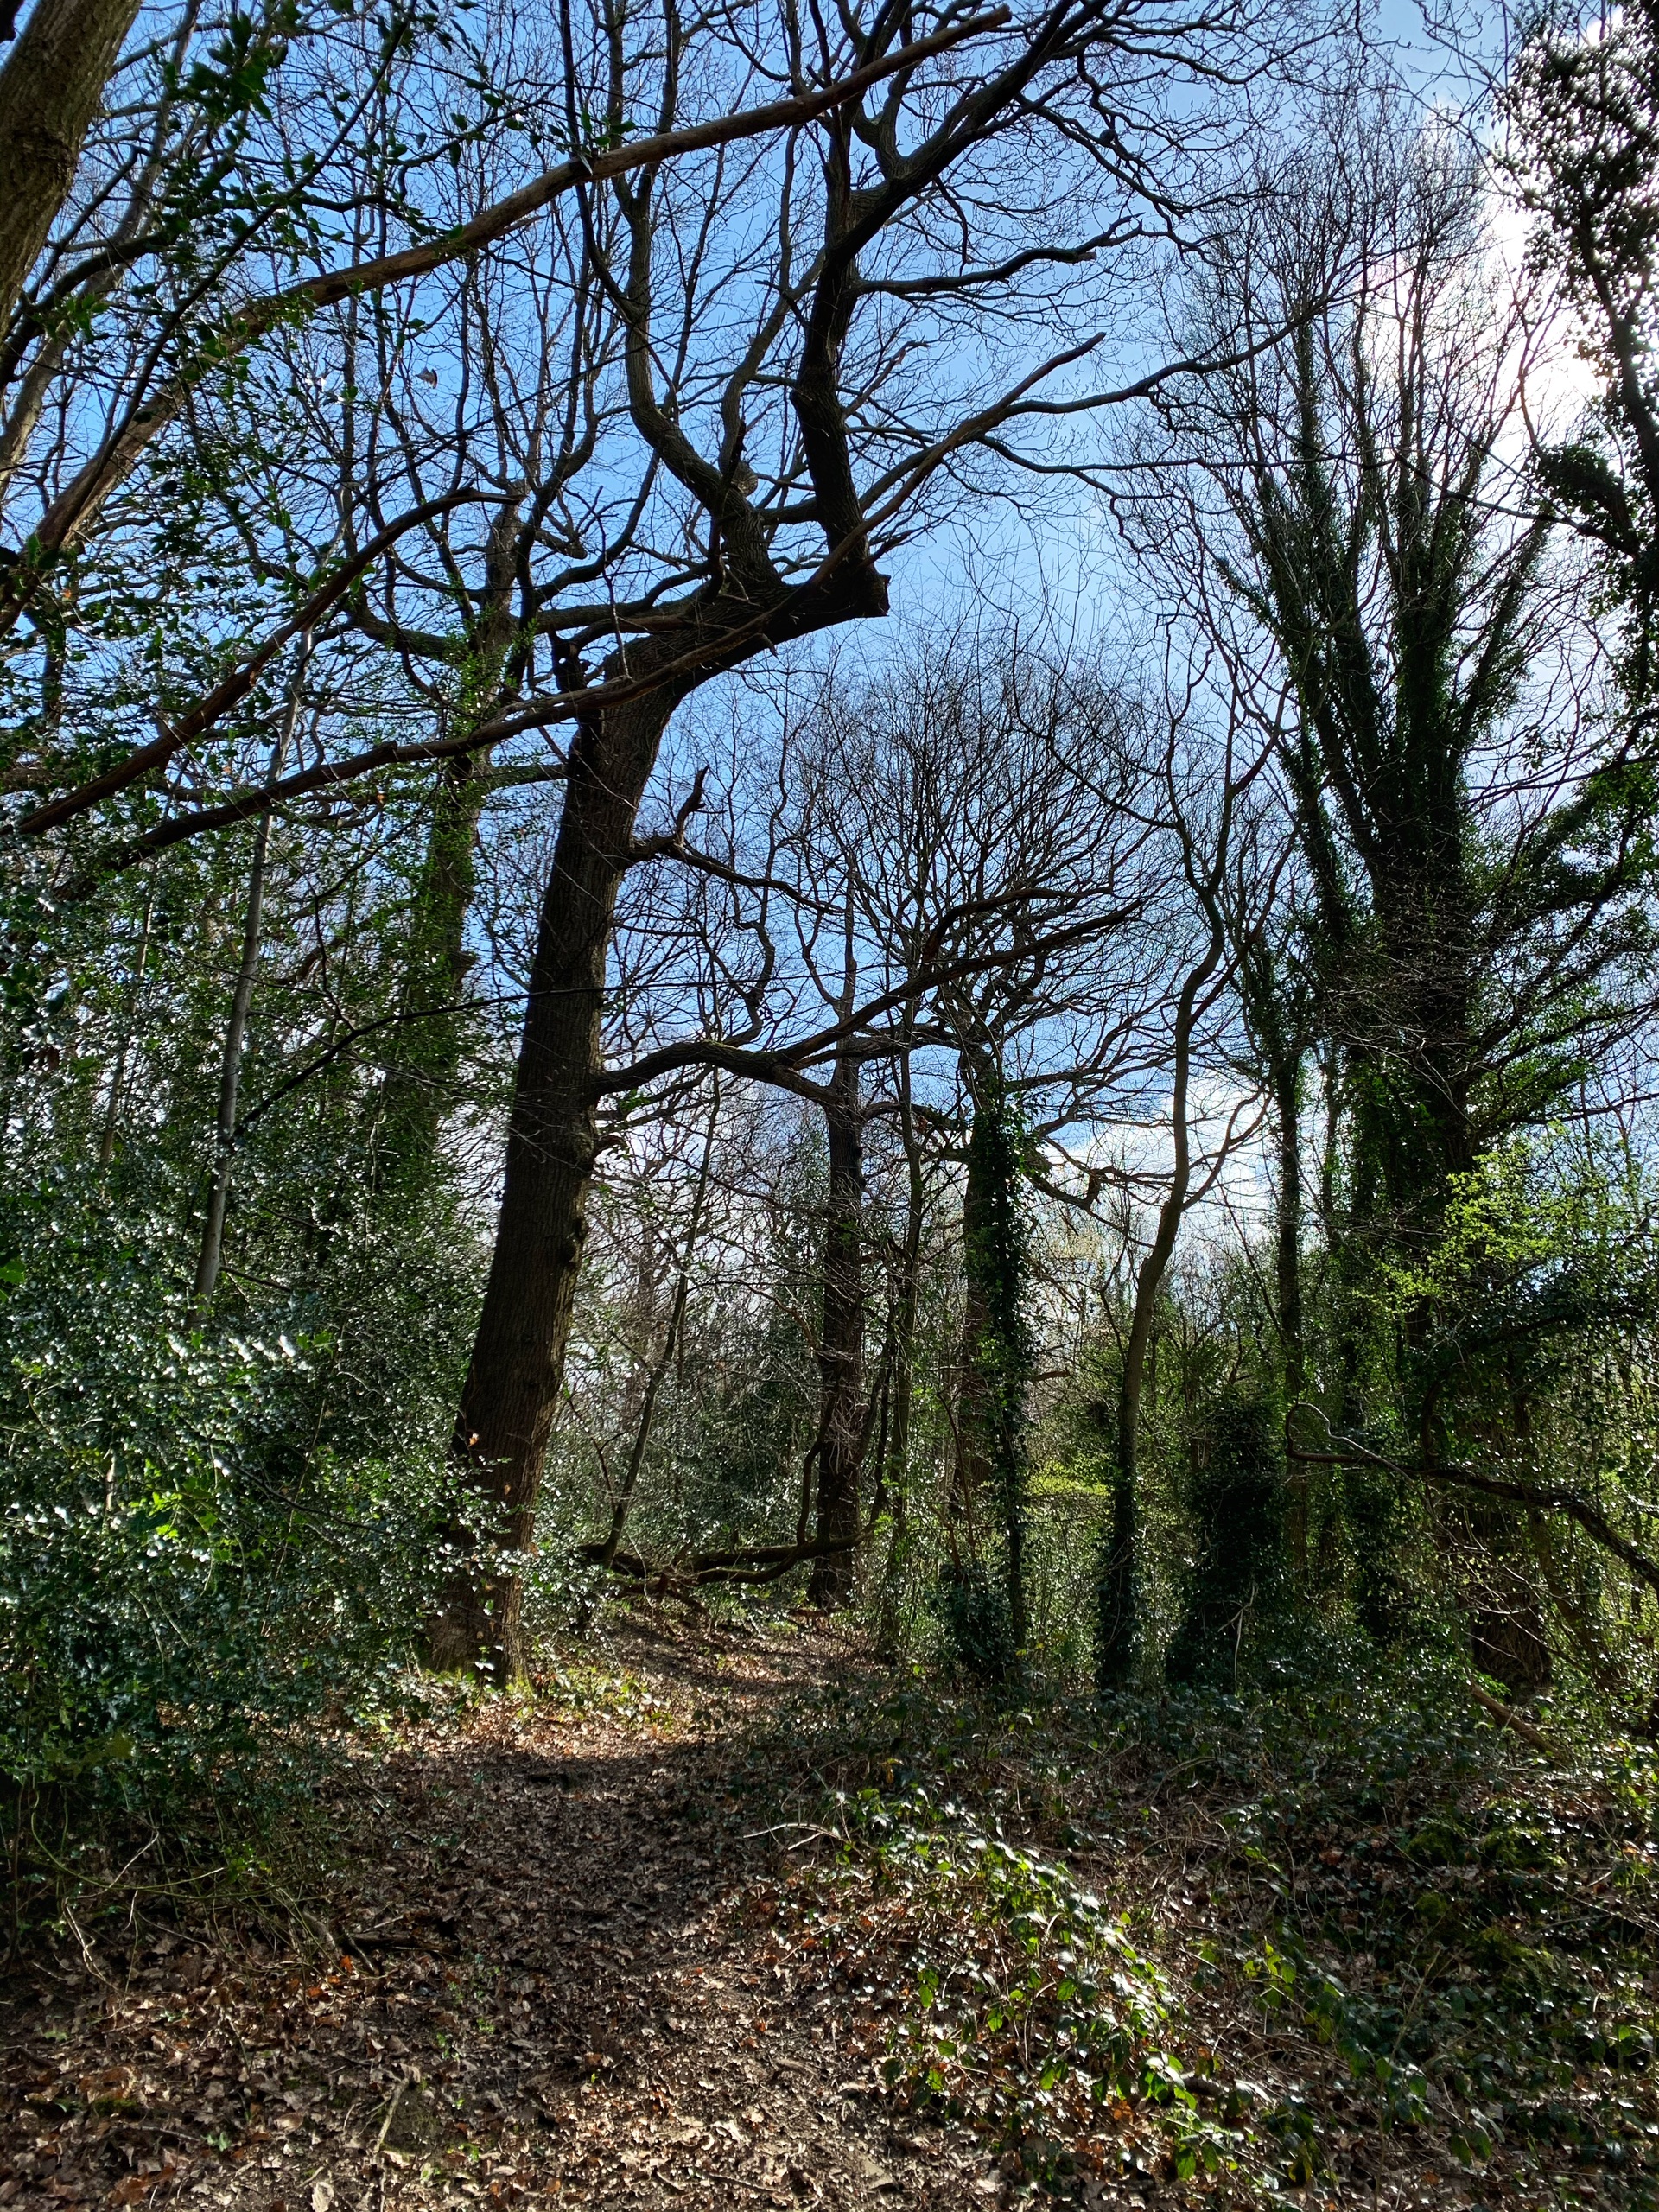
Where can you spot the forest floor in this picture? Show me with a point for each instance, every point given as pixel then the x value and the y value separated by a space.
pixel 721 1917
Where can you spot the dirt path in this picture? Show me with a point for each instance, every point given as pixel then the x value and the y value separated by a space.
pixel 542 1978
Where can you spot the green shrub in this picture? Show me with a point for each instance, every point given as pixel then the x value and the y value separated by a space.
pixel 186 1591
pixel 972 1610
pixel 1236 1503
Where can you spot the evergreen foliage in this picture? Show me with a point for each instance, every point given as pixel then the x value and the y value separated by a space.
pixel 996 1263
pixel 214 1545
pixel 975 1623
pixel 1236 1504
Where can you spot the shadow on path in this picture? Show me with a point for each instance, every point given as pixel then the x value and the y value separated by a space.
pixel 538 1981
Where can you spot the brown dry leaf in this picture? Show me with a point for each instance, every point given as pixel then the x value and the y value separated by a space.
pixel 537 2053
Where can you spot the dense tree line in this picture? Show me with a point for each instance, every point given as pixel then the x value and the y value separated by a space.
pixel 550 1055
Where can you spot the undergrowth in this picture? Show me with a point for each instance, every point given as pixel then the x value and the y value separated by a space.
pixel 216 1549
pixel 1340 1930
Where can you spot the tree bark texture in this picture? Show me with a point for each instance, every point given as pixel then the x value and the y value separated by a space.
pixel 50 89
pixel 508 1403
pixel 840 1342
pixel 511 1394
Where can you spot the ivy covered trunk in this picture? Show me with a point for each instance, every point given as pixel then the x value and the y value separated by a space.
pixel 1286 1074
pixel 421 1082
pixel 840 1342
pixel 971 1478
pixel 1236 1499
pixel 1117 1629
pixel 1001 1352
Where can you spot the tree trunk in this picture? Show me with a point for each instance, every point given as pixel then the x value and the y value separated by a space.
pixel 511 1390
pixel 1288 1267
pixel 840 1341
pixel 656 1375
pixel 896 1475
pixel 1117 1648
pixel 421 1082
pixel 971 1472
pixel 50 89
pixel 1119 1621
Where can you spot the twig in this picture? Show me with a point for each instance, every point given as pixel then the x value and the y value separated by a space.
pixel 90 1964
pixel 1507 1717
pixel 392 2114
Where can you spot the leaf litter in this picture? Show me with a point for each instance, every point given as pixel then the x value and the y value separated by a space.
pixel 728 1921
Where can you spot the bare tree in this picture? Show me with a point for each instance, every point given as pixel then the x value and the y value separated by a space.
pixel 696 385
pixel 988 779
pixel 944 845
pixel 781 539
pixel 1202 815
pixel 228 161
